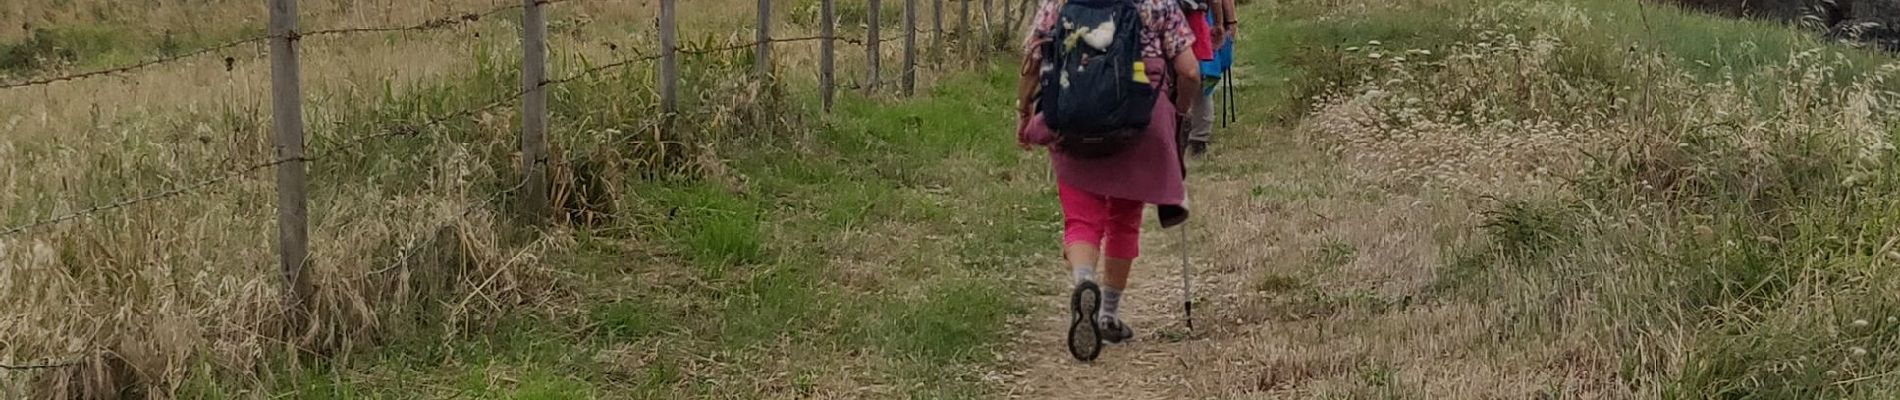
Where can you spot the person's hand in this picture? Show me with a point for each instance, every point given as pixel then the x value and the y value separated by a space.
pixel 1232 31
pixel 1218 34
pixel 1022 125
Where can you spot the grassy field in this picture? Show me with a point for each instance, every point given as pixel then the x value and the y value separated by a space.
pixel 762 236
pixel 1664 204
pixel 838 262
pixel 1423 199
pixel 1527 199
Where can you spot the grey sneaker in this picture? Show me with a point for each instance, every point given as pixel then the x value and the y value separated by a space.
pixel 1085 338
pixel 1113 329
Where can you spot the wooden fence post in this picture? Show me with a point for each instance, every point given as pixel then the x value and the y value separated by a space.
pixel 871 41
pixel 989 21
pixel 534 111
pixel 669 63
pixel 293 230
pixel 1023 15
pixel 1009 19
pixel 765 39
pixel 963 26
pixel 825 52
pixel 910 47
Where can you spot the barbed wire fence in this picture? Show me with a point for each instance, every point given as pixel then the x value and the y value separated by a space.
pixel 41 365
pixel 290 160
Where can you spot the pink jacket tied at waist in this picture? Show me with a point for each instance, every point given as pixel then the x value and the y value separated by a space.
pixel 1150 171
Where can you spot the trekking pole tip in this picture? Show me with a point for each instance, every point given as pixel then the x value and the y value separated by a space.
pixel 1189 307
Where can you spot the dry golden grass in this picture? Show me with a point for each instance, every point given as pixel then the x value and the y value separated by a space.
pixel 188 285
pixel 1313 283
pixel 1490 216
pixel 185 290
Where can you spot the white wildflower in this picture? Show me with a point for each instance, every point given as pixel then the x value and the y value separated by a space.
pixel 1860 323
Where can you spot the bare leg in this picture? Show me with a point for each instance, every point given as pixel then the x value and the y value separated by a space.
pixel 1116 273
pixel 1083 257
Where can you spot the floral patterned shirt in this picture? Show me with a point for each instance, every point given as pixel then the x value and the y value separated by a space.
pixel 1167 32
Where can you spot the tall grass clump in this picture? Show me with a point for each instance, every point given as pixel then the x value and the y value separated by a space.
pixel 411 233
pixel 417 253
pixel 181 295
pixel 1716 211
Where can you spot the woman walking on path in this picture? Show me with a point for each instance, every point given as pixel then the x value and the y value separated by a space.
pixel 1217 56
pixel 1102 196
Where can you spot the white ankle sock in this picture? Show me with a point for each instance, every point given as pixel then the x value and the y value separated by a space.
pixel 1084 273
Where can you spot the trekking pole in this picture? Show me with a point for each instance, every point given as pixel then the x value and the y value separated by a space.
pixel 1225 102
pixel 1187 280
pixel 1233 112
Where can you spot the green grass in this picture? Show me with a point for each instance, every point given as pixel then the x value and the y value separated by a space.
pixel 94 46
pixel 629 319
pixel 948 324
pixel 757 276
pixel 1739 45
pixel 1760 263
pixel 718 228
pixel 882 244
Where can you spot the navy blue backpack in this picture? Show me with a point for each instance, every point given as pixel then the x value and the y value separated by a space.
pixel 1095 93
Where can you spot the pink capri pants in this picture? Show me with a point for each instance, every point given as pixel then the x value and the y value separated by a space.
pixel 1110 223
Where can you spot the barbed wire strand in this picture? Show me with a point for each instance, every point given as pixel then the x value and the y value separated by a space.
pixel 416 129
pixel 42 365
pixel 357 142
pixel 133 67
pixel 155 196
pixel 432 24
pixel 403 130
pixel 866 84
pixel 742 46
pixel 639 57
